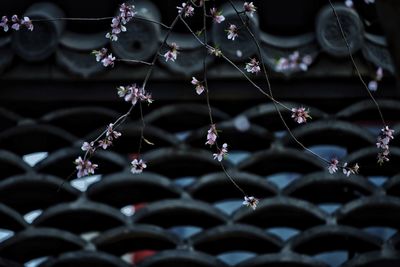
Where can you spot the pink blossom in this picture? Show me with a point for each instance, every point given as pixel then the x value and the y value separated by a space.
pixel 84 167
pixel 4 23
pixel 222 153
pixel 232 32
pixel 250 202
pixel 89 147
pixel 127 12
pixel 216 15
pixel 187 10
pixel 133 93
pixel 117 26
pixel 199 86
pixel 16 24
pixel 138 166
pixel 172 53
pixel 211 135
pixel 111 133
pixel 383 141
pixel 333 166
pixel 108 61
pixel 300 115
pixel 105 143
pixel 253 66
pixel 27 23
pixel 249 8
pixel 100 54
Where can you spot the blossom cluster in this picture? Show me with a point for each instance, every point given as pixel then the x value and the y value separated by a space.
pixel 133 93
pixel 300 115
pixel 103 57
pixel 172 52
pixel 216 15
pixel 249 8
pixel 253 66
pixel 232 32
pixel 347 170
pixel 386 135
pixel 126 13
pixel 293 62
pixel 250 202
pixel 199 85
pixel 15 23
pixel 373 85
pixel 86 167
pixel 186 10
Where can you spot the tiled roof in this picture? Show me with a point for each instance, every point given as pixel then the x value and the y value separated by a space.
pixel 182 211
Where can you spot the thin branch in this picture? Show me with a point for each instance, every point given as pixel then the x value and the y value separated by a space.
pixel 354 62
pixel 100 19
pixel 134 61
pixel 270 87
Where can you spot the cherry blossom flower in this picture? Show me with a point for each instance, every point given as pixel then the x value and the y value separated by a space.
pixel 333 166
pixel 186 10
pixel 222 153
pixel 383 141
pixel 249 8
pixel 172 53
pixel 211 135
pixel 253 66
pixel 215 51
pixel 132 93
pixel 350 170
pixel 84 167
pixel 300 115
pixel 127 12
pixel 216 15
pixel 108 61
pixel 100 54
pixel 117 26
pixel 105 143
pixel 27 23
pixel 383 157
pixel 232 32
pixel 250 202
pixel 4 23
pixel 111 133
pixel 199 86
pixel 89 147
pixel 138 166
pixel 16 23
